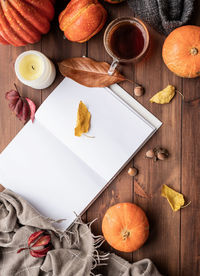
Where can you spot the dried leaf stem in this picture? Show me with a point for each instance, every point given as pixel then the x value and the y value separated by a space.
pixel 88 136
pixel 180 94
pixel 186 205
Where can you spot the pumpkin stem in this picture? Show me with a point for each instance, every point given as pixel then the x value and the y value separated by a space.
pixel 194 51
pixel 125 234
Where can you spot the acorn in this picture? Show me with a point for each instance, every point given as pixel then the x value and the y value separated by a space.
pixel 157 153
pixel 150 153
pixel 132 171
pixel 162 155
pixel 138 91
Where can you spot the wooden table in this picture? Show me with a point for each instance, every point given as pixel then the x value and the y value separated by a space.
pixel 174 236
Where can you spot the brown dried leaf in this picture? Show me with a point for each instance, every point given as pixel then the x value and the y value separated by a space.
pixel 138 190
pixel 89 72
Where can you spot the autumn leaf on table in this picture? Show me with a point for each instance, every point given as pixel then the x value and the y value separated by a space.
pixel 89 72
pixel 164 96
pixel 175 199
pixel 32 107
pixel 83 120
pixel 138 190
pixel 24 108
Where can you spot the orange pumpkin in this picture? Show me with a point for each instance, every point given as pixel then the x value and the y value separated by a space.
pixel 23 22
pixel 82 19
pixel 125 227
pixel 181 51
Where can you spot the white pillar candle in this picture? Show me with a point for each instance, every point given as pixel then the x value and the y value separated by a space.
pixel 35 70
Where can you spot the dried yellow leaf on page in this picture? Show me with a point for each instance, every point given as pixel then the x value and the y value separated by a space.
pixel 164 96
pixel 83 120
pixel 175 199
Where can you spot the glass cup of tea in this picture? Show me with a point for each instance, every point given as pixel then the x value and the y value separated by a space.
pixel 126 39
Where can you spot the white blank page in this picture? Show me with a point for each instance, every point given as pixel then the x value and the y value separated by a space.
pixel 46 173
pixel 119 131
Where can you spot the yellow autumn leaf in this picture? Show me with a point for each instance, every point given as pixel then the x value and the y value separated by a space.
pixel 164 96
pixel 83 120
pixel 175 199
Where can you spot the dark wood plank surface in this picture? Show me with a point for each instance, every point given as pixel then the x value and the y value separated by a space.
pixel 174 237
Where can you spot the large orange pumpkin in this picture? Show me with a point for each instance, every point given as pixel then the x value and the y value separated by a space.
pixel 82 19
pixel 181 51
pixel 23 21
pixel 125 227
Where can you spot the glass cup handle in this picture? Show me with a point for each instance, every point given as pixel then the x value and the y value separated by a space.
pixel 113 66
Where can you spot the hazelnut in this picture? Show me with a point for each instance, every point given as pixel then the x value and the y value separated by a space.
pixel 157 153
pixel 161 156
pixel 138 91
pixel 132 171
pixel 150 153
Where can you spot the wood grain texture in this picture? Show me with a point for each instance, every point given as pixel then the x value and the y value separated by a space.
pixel 190 217
pixel 163 222
pixel 174 237
pixel 190 173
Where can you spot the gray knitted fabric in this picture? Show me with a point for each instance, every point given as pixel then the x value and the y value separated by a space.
pixel 163 15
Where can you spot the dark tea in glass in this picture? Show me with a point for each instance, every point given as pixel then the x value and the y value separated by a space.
pixel 126 40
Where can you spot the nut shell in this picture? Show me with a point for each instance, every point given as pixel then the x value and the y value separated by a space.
pixel 161 156
pixel 138 91
pixel 150 153
pixel 132 171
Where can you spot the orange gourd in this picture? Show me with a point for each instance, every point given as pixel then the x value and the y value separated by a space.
pixel 82 19
pixel 181 51
pixel 23 21
pixel 125 227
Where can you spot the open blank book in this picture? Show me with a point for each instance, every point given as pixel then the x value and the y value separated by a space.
pixel 61 174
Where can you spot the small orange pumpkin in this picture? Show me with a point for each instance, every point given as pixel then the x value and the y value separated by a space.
pixel 181 51
pixel 82 19
pixel 23 22
pixel 125 227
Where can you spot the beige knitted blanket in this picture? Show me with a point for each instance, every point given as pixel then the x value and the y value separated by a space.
pixel 74 253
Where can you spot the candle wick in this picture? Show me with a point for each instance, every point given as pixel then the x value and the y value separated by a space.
pixel 33 67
